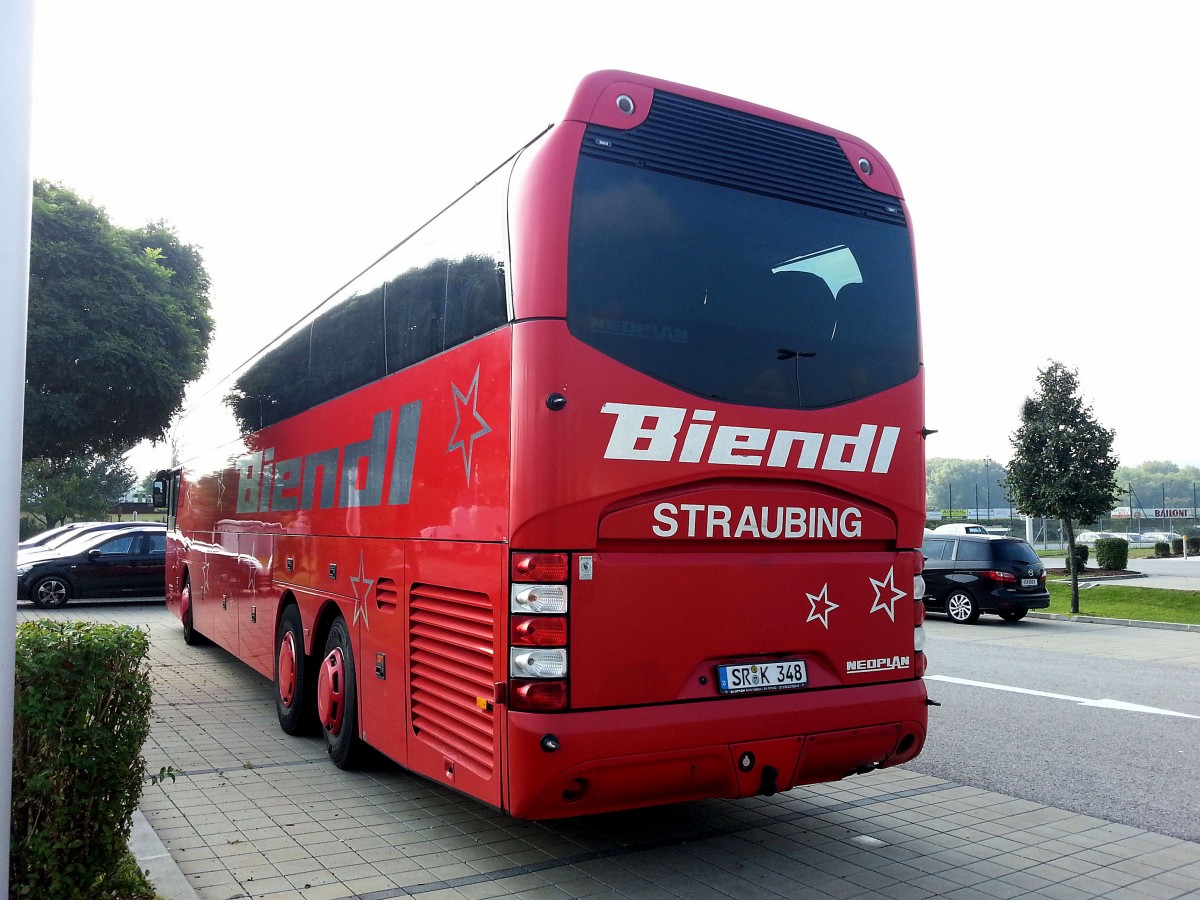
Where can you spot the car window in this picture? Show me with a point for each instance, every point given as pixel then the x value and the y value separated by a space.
pixel 1016 551
pixel 158 543
pixel 973 551
pixel 125 543
pixel 936 548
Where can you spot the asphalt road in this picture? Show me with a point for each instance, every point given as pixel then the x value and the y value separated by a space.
pixel 1056 722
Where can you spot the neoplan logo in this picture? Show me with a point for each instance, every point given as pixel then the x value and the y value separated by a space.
pixel 652 433
pixel 884 664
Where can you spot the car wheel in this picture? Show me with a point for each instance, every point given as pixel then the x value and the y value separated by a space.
pixel 50 592
pixel 293 686
pixel 962 608
pixel 191 636
pixel 337 701
pixel 1013 615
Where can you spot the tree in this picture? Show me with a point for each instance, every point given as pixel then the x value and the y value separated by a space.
pixel 1062 465
pixel 118 325
pixel 54 490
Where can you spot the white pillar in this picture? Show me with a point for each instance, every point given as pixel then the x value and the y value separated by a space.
pixel 16 190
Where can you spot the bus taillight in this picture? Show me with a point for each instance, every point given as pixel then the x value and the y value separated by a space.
pixel 538 696
pixel 540 567
pixel 538 631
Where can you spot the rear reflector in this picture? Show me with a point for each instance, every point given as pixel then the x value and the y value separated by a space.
pixel 540 566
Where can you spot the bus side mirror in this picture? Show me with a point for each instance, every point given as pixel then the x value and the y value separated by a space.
pixel 160 494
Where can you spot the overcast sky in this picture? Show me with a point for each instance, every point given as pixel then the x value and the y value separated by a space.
pixel 1046 151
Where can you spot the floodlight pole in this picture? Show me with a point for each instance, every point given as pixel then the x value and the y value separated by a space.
pixel 16 190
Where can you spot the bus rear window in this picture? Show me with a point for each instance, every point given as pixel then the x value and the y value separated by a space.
pixel 739 296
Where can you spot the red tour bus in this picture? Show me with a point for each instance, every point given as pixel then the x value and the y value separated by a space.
pixel 603 489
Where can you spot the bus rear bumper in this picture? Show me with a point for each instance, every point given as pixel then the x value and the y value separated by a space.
pixel 582 762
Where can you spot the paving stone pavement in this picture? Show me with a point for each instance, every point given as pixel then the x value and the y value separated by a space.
pixel 254 813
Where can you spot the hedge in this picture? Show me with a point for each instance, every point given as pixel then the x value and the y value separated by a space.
pixel 1081 557
pixel 81 714
pixel 1112 553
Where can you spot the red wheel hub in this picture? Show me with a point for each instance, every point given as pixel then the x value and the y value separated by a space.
pixel 331 691
pixel 286 666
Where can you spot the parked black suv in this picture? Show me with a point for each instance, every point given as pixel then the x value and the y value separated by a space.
pixel 969 574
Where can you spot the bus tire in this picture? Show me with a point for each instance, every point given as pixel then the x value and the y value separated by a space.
pixel 191 636
pixel 961 607
pixel 293 684
pixel 337 700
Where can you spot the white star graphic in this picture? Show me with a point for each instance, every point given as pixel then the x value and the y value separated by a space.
pixel 830 606
pixel 888 605
pixel 467 445
pixel 360 596
pixel 204 576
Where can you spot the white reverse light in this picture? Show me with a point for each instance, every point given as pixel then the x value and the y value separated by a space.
pixel 536 663
pixel 539 598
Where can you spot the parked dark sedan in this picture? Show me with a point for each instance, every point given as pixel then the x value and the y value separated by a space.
pixel 56 537
pixel 969 574
pixel 130 562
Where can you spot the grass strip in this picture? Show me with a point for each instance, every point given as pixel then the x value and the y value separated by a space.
pixel 1123 601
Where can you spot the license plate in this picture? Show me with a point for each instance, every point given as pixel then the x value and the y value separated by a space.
pixel 1029 582
pixel 778 675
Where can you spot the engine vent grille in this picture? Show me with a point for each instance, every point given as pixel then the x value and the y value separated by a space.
pixel 451 671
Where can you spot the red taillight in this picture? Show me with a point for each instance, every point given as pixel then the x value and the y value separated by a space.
pixel 539 631
pixel 919 614
pixel 538 696
pixel 540 567
pixel 1002 577
pixel 922 663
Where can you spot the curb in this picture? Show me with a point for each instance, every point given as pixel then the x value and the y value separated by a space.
pixel 154 859
pixel 1094 579
pixel 1128 623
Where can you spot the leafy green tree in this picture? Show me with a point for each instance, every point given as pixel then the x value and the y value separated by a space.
pixel 118 325
pixel 54 490
pixel 1062 465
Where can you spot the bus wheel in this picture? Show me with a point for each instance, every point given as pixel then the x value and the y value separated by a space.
pixel 337 706
pixel 191 636
pixel 293 693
